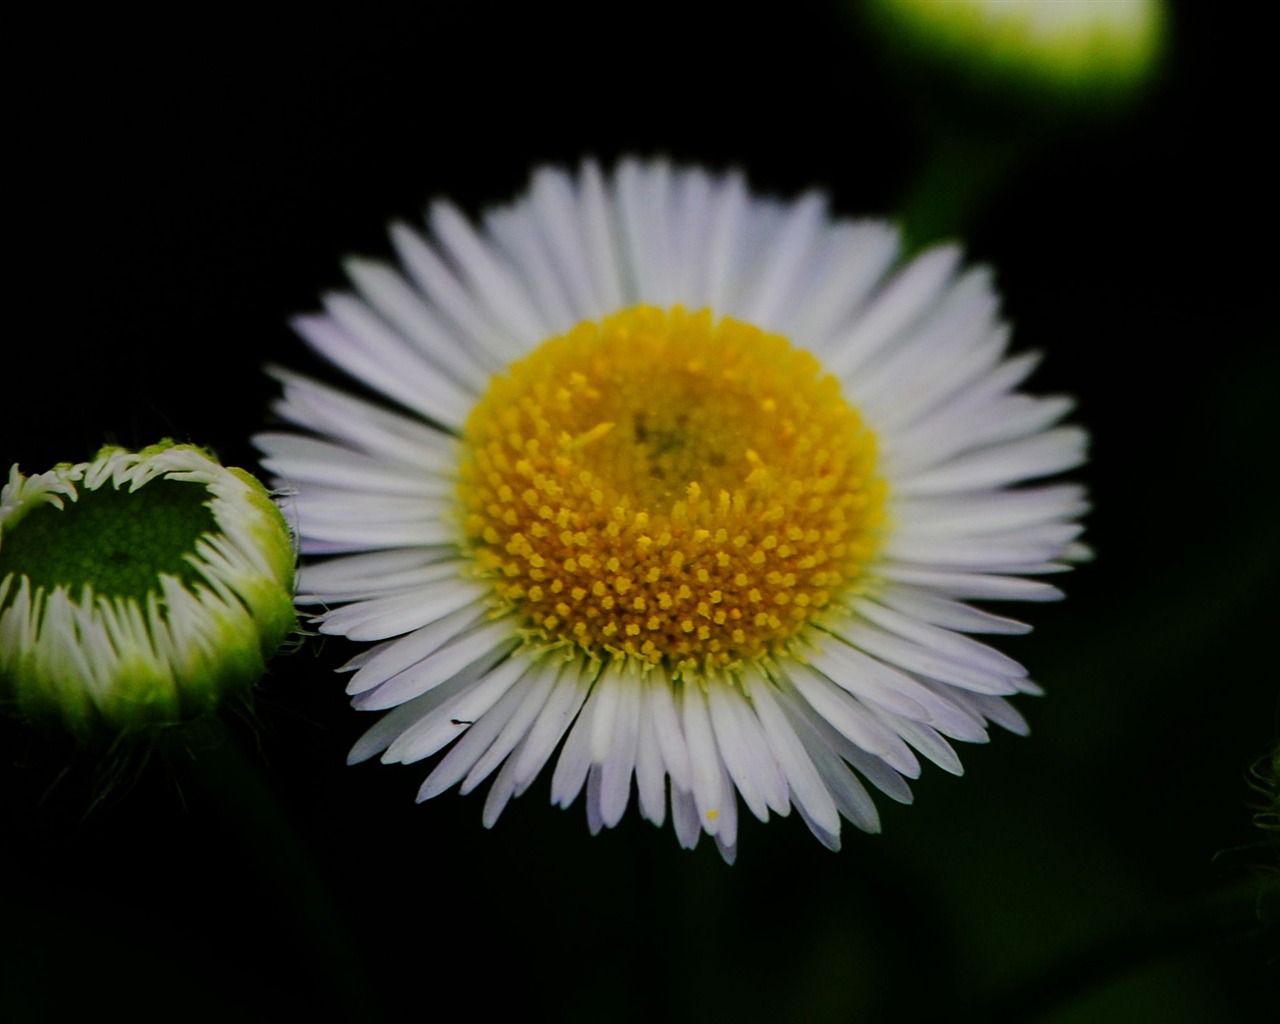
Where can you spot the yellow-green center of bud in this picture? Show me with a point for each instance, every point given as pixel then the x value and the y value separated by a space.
pixel 112 540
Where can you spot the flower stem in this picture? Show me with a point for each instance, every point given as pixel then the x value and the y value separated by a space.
pixel 961 173
pixel 213 760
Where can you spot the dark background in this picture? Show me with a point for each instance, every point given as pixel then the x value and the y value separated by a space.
pixel 180 187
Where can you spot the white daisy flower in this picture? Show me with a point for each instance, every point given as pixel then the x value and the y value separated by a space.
pixel 697 482
pixel 139 590
pixel 1072 48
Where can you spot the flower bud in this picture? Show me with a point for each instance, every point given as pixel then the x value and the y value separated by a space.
pixel 139 590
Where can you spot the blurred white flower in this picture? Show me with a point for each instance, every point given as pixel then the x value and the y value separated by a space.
pixel 1074 48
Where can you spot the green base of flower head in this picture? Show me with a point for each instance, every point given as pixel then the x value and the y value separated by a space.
pixel 139 590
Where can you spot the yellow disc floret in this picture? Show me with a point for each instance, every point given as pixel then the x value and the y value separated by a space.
pixel 669 487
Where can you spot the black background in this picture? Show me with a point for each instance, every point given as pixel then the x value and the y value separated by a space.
pixel 179 187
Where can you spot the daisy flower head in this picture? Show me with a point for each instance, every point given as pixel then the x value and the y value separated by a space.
pixel 1071 49
pixel 139 590
pixel 690 485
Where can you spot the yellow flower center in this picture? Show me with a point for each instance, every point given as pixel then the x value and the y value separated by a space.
pixel 669 487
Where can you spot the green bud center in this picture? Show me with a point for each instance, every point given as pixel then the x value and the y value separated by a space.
pixel 112 540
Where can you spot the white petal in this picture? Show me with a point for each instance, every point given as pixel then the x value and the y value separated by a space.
pixel 991 512
pixel 455 765
pixel 575 756
pixel 619 762
pixel 643 214
pixel 788 260
pixel 808 792
pixel 457 306
pixel 497 290
pixel 651 775
pixel 692 209
pixel 704 758
pixel 378 664
pixel 379 736
pixel 972 585
pixel 535 687
pixel 885 778
pixel 1003 464
pixel 606 699
pixel 744 751
pixel 386 436
pixel 396 300
pixel 953 345
pixel 926 661
pixel 851 797
pixel 901 302
pixel 684 816
pixel 851 718
pixel 928 742
pixel 959 648
pixel 557 715
pixel 367 347
pixel 438 666
pixel 660 702
pixel 601 240
pixel 451 718
pixel 358 577
pixel 726 833
pixel 595 813
pixel 870 680
pixel 522 245
pixel 390 616
pixel 556 210
pixel 855 259
pixel 729 212
pixel 947 613
pixel 501 791
pixel 297 459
